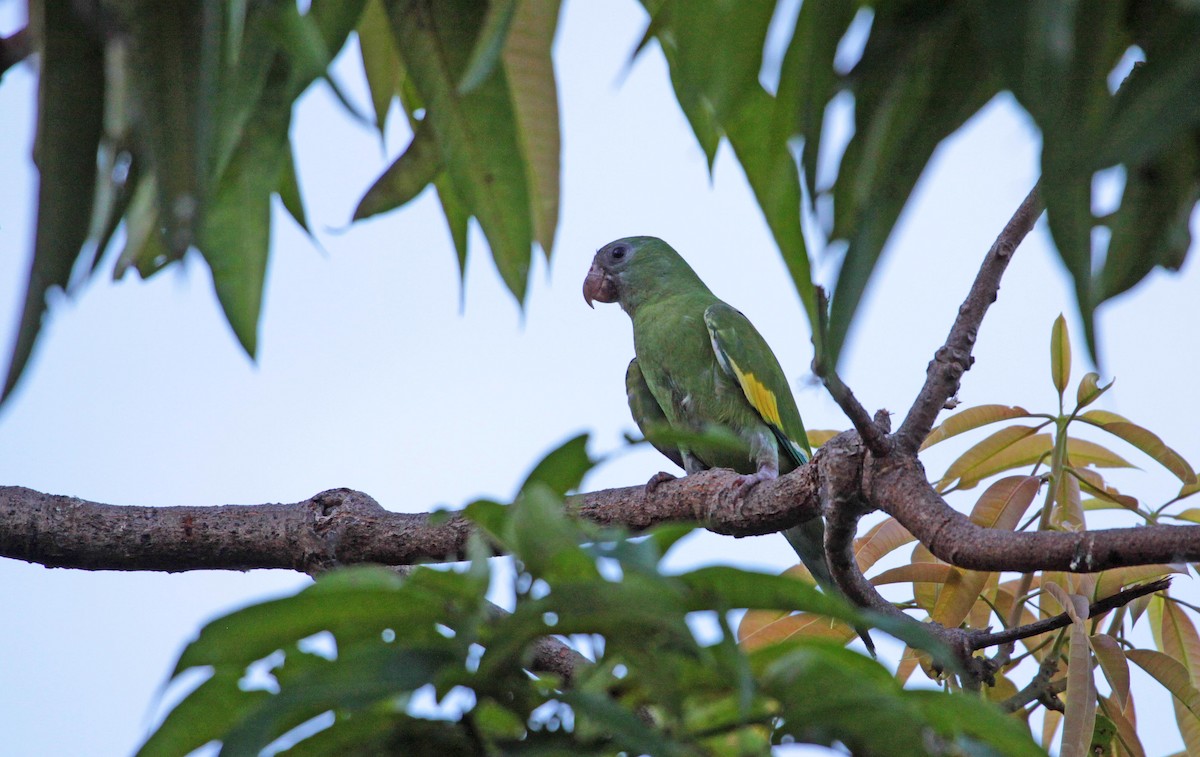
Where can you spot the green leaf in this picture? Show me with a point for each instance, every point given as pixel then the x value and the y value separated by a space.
pixel 972 418
pixel 206 714
pixel 1154 106
pixel 628 731
pixel 978 721
pixel 405 178
pixel 144 248
pixel 356 680
pixel 772 175
pixel 380 60
pixel 289 192
pixel 477 132
pixel 174 67
pixel 563 468
pixel 917 82
pixel 808 79
pixel 71 91
pixel 534 92
pixel 236 234
pixel 488 45
pixel 542 538
pixel 1151 228
pixel 1060 355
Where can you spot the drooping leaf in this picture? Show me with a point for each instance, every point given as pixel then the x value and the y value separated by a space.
pixel 775 182
pixel 173 67
pixel 71 92
pixel 493 33
pixel 916 83
pixel 381 61
pixel 808 79
pixel 477 132
pixel 1080 716
pixel 1112 661
pixel 1171 674
pixel 531 82
pixel 405 178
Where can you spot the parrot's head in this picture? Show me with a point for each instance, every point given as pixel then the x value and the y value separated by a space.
pixel 630 269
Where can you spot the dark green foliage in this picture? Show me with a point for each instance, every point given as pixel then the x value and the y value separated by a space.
pixel 399 643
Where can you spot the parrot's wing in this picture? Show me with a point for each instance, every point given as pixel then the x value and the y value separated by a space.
pixel 647 413
pixel 745 357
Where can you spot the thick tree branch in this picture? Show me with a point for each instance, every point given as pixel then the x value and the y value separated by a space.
pixel 342 526
pixel 898 487
pixel 954 357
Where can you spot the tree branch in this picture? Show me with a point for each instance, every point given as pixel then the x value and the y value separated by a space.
pixel 954 357
pixel 14 48
pixel 899 488
pixel 983 639
pixel 342 526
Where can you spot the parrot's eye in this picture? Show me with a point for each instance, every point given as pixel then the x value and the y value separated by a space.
pixel 618 253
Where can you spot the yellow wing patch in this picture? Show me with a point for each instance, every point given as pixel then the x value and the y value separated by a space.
pixel 761 398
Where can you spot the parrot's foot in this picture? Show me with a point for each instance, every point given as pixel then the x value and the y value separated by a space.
pixel 746 482
pixel 658 478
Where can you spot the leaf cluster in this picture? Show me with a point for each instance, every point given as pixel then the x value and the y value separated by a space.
pixel 917 71
pixel 366 661
pixel 1065 470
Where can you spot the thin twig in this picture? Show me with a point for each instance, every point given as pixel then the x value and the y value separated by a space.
pixel 954 357
pixel 983 639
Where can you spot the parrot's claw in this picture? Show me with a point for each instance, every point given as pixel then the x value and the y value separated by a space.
pixel 743 484
pixel 658 478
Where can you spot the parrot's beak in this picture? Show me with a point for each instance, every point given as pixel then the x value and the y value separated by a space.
pixel 597 286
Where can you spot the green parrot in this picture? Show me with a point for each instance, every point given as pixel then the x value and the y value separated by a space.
pixel 700 363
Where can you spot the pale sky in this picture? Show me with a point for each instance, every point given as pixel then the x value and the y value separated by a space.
pixel 369 376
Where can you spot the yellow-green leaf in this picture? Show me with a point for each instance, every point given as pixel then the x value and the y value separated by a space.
pixel 381 62
pixel 1090 390
pixel 1068 511
pixel 1060 354
pixel 1083 452
pixel 1145 440
pixel 972 418
pixel 1004 450
pixel 1192 515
